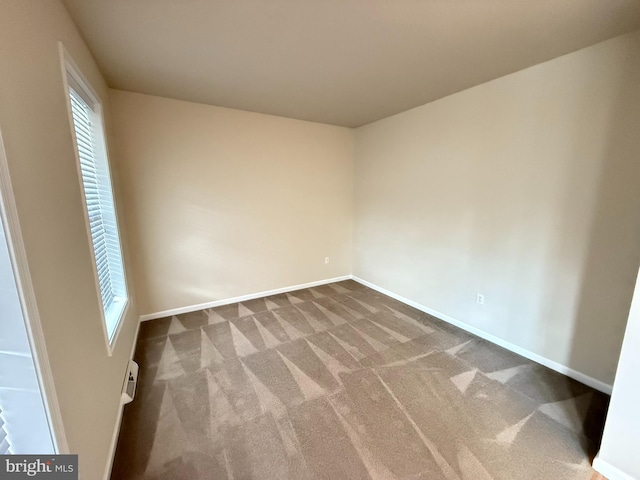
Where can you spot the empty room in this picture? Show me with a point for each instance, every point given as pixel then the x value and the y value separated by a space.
pixel 306 239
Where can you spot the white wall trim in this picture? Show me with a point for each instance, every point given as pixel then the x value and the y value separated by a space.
pixel 612 473
pixel 116 430
pixel 558 367
pixel 242 298
pixel 30 312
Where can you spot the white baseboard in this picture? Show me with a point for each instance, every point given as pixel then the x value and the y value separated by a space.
pixel 116 430
pixel 242 298
pixel 569 372
pixel 612 473
pixel 579 376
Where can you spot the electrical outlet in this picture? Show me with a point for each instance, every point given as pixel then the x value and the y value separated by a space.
pixel 480 299
pixel 326 260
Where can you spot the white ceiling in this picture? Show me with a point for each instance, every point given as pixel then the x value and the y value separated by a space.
pixel 343 62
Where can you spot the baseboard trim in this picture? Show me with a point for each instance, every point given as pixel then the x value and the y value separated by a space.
pixel 116 430
pixel 242 298
pixel 612 473
pixel 558 367
pixel 553 365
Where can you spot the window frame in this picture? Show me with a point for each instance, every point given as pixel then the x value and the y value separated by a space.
pixel 31 314
pixel 73 78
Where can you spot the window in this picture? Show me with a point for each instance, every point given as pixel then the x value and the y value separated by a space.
pixel 24 425
pixel 91 151
pixel 5 446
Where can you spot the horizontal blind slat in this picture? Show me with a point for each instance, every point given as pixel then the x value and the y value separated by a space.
pixel 5 446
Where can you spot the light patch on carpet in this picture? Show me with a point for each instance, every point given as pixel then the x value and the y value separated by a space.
pixel 288 436
pixel 412 321
pixel 267 400
pixel 503 376
pixel 463 380
pixel 243 311
pixel 570 412
pixel 315 294
pixel 405 361
pixel 366 305
pixel 398 336
pixel 227 465
pixel 336 319
pixel 269 339
pixel 289 329
pixel 377 346
pixel 339 288
pixel 470 466
pixel 446 468
pixel 270 304
pixel 509 434
pixel 176 326
pixel 220 410
pixel 242 344
pixel 169 437
pixel 351 312
pixel 208 352
pixel 309 388
pixel 214 317
pixel 457 348
pixel 355 353
pixel 294 299
pixel 315 324
pixel 376 469
pixel 169 366
pixel 333 365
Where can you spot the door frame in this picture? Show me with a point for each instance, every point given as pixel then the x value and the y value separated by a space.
pixel 30 312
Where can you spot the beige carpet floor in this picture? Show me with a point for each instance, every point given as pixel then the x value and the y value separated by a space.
pixel 341 382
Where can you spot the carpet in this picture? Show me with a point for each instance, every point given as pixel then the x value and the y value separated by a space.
pixel 342 382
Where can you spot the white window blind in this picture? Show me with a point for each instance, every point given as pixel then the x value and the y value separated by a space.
pixel 94 169
pixel 4 441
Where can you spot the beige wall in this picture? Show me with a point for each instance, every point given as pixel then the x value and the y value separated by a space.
pixel 37 135
pixel 525 189
pixel 223 203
